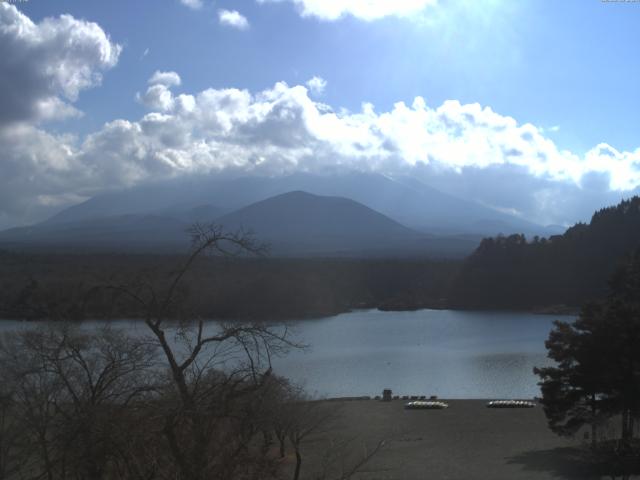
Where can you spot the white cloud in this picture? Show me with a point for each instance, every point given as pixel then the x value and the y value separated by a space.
pixel 286 130
pixel 233 18
pixel 168 79
pixel 317 85
pixel 159 96
pixel 361 9
pixel 282 130
pixel 194 4
pixel 37 167
pixel 466 149
pixel 45 66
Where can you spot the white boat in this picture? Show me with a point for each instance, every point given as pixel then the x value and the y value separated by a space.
pixel 510 404
pixel 425 405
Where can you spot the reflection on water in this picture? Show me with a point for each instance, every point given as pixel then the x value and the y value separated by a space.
pixel 452 354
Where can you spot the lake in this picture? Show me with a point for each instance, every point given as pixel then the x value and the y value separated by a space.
pixel 452 354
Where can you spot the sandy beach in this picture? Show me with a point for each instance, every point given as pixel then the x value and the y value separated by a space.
pixel 465 441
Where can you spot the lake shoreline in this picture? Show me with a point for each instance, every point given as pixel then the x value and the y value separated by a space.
pixel 564 310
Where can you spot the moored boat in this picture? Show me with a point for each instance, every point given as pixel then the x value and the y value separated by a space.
pixel 425 405
pixel 510 404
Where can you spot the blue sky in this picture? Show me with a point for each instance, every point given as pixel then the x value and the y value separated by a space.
pixel 572 64
pixel 568 68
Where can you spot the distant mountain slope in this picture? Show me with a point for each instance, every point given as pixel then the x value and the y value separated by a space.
pixel 403 199
pixel 175 198
pixel 190 215
pixel 425 208
pixel 294 224
pixel 510 272
pixel 131 233
pixel 302 222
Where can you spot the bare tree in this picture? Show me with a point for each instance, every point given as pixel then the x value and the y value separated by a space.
pixel 70 391
pixel 313 421
pixel 12 444
pixel 208 418
pixel 299 421
pixel 338 462
pixel 187 400
pixel 307 418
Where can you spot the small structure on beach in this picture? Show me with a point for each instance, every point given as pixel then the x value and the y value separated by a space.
pixel 387 395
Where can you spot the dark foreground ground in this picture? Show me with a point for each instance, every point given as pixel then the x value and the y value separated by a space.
pixel 466 441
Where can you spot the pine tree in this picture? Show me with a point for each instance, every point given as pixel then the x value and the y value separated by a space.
pixel 597 371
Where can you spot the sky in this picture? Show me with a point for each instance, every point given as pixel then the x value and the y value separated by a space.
pixel 530 107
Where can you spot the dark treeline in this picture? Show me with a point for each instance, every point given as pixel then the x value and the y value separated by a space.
pixel 512 272
pixel 34 286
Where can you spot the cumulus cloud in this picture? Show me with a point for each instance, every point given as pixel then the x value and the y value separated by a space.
pixel 466 149
pixel 159 96
pixel 317 85
pixel 45 66
pixel 37 169
pixel 361 9
pixel 233 18
pixel 282 129
pixel 168 79
pixel 193 4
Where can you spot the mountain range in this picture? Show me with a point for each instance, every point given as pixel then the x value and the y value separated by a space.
pixel 302 214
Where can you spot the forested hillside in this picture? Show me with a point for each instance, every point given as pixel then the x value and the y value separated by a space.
pixel 64 286
pixel 569 269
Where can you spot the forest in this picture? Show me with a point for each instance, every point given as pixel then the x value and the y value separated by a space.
pixel 553 274
pixel 513 272
pixel 66 286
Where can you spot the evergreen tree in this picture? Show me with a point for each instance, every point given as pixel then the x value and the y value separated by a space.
pixel 513 273
pixel 597 372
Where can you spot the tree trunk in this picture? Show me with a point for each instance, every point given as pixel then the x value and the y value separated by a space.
pixel 625 426
pixel 266 441
pixel 46 458
pixel 296 474
pixel 281 441
pixel 594 442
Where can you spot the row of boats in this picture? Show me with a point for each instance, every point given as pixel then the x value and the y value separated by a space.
pixel 438 405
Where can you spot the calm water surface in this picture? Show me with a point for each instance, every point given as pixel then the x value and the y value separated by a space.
pixel 452 354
